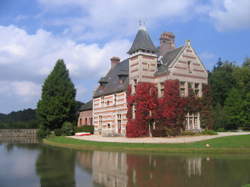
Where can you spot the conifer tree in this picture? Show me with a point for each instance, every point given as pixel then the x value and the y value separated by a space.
pixel 57 104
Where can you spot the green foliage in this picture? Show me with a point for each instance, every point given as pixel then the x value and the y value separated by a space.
pixel 43 132
pixel 85 128
pixel 221 80
pixel 209 132
pixel 188 133
pixel 231 95
pixel 221 130
pixel 233 109
pixel 24 119
pixel 58 132
pixel 67 129
pixel 57 103
pixel 219 117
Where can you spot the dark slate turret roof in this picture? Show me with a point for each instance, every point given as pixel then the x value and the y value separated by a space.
pixel 113 84
pixel 87 106
pixel 142 41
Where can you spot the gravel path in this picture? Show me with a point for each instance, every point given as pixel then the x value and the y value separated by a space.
pixel 183 139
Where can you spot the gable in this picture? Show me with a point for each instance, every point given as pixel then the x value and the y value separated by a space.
pixel 188 64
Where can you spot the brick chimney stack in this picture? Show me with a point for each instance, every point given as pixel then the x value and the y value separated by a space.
pixel 167 42
pixel 114 61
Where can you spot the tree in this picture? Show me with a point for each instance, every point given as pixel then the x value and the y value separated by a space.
pixel 222 81
pixel 245 114
pixel 233 109
pixel 57 104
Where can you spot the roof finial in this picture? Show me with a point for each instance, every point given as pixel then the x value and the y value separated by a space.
pixel 142 25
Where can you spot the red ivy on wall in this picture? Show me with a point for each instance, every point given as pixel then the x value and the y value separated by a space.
pixel 168 111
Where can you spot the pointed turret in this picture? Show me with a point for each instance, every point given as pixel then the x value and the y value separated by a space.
pixel 142 42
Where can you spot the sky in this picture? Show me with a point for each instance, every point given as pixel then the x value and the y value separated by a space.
pixel 87 33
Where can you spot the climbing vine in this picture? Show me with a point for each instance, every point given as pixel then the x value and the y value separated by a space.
pixel 147 113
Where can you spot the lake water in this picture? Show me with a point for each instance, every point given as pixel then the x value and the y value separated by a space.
pixel 33 164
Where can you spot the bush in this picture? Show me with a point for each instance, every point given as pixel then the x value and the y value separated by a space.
pixel 188 133
pixel 86 128
pixel 209 132
pixel 220 130
pixel 43 132
pixel 172 131
pixel 158 132
pixel 58 132
pixel 67 129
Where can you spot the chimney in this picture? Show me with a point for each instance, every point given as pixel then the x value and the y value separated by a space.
pixel 114 61
pixel 167 42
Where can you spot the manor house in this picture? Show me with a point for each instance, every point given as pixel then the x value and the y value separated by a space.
pixel 146 63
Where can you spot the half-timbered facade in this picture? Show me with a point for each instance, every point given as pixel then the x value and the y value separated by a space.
pixel 146 63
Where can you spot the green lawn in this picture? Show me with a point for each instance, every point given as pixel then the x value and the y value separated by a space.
pixel 230 144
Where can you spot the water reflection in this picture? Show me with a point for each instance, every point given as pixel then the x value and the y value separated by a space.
pixel 39 165
pixel 56 168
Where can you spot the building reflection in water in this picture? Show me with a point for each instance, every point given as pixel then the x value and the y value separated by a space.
pixel 194 166
pixel 113 169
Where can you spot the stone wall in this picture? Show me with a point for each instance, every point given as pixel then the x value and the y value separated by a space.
pixel 18 132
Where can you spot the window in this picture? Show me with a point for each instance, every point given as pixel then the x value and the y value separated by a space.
pixel 108 102
pixel 100 120
pixel 133 111
pixel 196 89
pixel 108 125
pixel 162 88
pixel 102 100
pixel 135 83
pixel 86 121
pixel 192 121
pixel 189 67
pixel 182 88
pixel 115 99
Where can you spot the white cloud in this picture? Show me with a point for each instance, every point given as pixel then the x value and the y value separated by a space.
pixel 29 58
pixel 97 19
pixel 230 14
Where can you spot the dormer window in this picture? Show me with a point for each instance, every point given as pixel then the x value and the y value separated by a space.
pixel 122 77
pixel 103 82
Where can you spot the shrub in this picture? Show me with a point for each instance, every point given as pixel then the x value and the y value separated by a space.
pixel 43 132
pixel 188 133
pixel 86 128
pixel 172 131
pixel 209 132
pixel 67 129
pixel 58 132
pixel 221 130
pixel 158 132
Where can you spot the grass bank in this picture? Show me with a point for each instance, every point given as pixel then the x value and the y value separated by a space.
pixel 229 144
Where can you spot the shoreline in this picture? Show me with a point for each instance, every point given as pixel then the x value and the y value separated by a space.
pixel 161 140
pixel 228 144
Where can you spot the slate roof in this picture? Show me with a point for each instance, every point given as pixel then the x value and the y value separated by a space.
pixel 142 41
pixel 113 83
pixel 86 106
pixel 167 59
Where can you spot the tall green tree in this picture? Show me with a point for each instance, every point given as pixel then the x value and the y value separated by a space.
pixel 57 104
pixel 222 81
pixel 233 109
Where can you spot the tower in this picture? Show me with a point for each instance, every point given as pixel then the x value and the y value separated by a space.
pixel 142 59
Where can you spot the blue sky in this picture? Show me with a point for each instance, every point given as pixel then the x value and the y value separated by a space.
pixel 87 33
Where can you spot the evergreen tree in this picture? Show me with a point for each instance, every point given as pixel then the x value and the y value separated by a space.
pixel 57 103
pixel 246 112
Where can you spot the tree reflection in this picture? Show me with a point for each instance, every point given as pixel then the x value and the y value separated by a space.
pixel 56 167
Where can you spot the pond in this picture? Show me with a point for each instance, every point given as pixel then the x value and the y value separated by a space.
pixel 32 164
